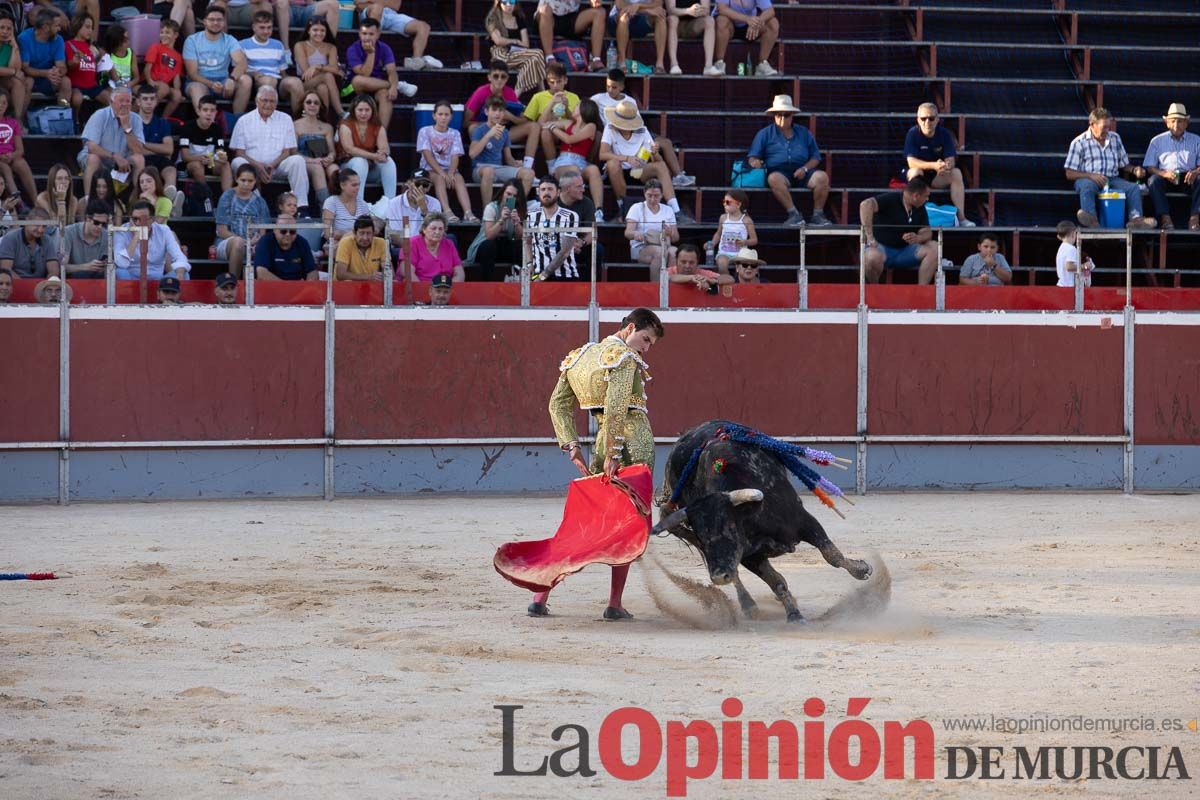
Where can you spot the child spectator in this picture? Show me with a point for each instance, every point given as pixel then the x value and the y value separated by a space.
pixel 735 229
pixel 164 67
pixel 11 77
pixel 316 59
pixel 178 11
pixel 553 103
pixel 392 21
pixel 431 254
pixel 83 57
pixel 12 153
pixel 202 145
pixel 237 208
pixel 118 59
pixel 1067 260
pixel 497 86
pixel 580 149
pixel 364 145
pixel 440 149
pixel 505 26
pixel 59 198
pixel 988 267
pixel 491 152
pixel 159 144
pixel 314 141
pixel 44 57
pixel 150 189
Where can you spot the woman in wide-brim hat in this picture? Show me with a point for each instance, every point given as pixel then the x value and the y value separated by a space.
pixel 628 148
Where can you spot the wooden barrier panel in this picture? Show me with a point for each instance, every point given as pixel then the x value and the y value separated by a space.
pixel 1166 398
pixel 29 379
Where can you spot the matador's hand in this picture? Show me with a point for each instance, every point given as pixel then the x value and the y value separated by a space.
pixel 611 465
pixel 576 455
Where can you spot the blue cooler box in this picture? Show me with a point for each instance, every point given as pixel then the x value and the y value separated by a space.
pixel 423 115
pixel 1112 209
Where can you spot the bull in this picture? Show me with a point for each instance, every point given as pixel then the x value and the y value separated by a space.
pixel 739 507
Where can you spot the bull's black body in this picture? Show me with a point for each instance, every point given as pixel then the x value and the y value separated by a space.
pixel 749 533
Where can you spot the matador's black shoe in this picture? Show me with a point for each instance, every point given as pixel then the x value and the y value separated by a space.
pixel 538 610
pixel 612 614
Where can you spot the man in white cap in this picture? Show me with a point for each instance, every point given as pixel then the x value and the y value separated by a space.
pixel 1173 161
pixel 790 156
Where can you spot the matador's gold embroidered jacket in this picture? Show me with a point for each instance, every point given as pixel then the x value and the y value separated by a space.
pixel 606 376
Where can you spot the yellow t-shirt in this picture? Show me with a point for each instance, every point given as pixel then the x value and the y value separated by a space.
pixel 538 103
pixel 349 254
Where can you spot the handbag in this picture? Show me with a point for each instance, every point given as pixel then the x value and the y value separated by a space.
pixel 51 121
pixel 941 216
pixel 747 177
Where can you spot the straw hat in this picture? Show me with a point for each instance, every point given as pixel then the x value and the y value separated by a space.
pixel 1177 111
pixel 40 290
pixel 624 115
pixel 747 256
pixel 782 105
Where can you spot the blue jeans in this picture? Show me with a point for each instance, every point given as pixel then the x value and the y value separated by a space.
pixel 1087 190
pixel 1158 195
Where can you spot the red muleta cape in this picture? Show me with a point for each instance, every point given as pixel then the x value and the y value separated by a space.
pixel 600 525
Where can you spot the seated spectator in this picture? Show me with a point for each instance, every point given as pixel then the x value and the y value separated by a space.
pixel 687 269
pixel 267 60
pixel 614 92
pixel 150 188
pixel 432 254
pixel 695 21
pixel 168 290
pixel 930 153
pixel 506 28
pixel 241 12
pixel 113 140
pixel 50 291
pixel 897 234
pixel 118 63
pixel 163 257
pixel 286 205
pixel 499 237
pixel 315 143
pixel 11 76
pixel 44 58
pixel 519 128
pixel 303 12
pixel 1173 161
pixel 202 145
pixel 790 156
pixel 163 70
pixel 30 251
pixel 159 144
pixel 651 230
pixel 284 256
pixel 735 229
pixel 215 64
pixel 580 153
pixel 1095 161
pixel 747 266
pixel 340 211
pixel 373 70
pixel 626 147
pixel 1066 261
pixel 555 103
pixel 988 267
pixel 360 256
pixel 85 252
pixel 316 58
pixel 633 19
pixel 563 19
pixel 408 210
pixel 13 166
pixel 441 149
pixel 491 152
pixel 225 287
pixel 63 10
pixel 387 12
pixel 101 189
pixel 440 288
pixel 364 146
pixel 266 140
pixel 748 20
pixel 6 285
pixel 237 208
pixel 180 12
pixel 59 197
pixel 571 197
pixel 553 255
pixel 83 60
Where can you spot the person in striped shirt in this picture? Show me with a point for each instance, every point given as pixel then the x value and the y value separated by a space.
pixel 552 255
pixel 267 59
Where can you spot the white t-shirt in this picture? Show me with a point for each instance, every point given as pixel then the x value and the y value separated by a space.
pixel 604 101
pixel 399 211
pixel 648 221
pixel 627 148
pixel 1068 253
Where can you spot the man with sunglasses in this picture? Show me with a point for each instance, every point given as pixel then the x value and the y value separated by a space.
pixel 409 208
pixel 87 242
pixel 930 152
pixel 790 156
pixel 284 256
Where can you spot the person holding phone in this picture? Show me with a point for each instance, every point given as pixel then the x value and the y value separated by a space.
pixel 499 237
pixel 86 245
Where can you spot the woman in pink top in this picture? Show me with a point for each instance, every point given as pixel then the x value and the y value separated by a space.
pixel 12 153
pixel 431 254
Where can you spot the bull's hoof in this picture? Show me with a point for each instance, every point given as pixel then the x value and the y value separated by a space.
pixel 796 617
pixel 538 610
pixel 859 569
pixel 613 614
pixel 750 611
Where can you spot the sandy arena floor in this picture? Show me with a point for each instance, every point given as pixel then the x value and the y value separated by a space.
pixel 306 649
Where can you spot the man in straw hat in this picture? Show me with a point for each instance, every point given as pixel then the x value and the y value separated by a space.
pixel 747 266
pixel 627 147
pixel 1096 160
pixel 51 291
pixel 1173 161
pixel 790 156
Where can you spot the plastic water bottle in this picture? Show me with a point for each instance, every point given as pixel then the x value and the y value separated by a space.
pixel 610 58
pixel 741 68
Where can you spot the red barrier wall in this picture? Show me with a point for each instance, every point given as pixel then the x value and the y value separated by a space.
pixel 1166 401
pixel 29 380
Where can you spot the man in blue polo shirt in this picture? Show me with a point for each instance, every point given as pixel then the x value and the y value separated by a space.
pixel 284 256
pixel 790 156
pixel 930 151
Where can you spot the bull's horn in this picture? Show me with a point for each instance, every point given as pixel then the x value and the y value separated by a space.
pixel 670 521
pixel 739 496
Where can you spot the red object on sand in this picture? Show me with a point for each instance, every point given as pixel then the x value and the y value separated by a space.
pixel 600 525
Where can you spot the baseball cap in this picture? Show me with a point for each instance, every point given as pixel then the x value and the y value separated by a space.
pixel 226 279
pixel 169 283
pixel 441 281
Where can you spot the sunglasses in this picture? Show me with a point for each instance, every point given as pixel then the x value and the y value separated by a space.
pixel 285 232
pixel 927 119
pixel 99 223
